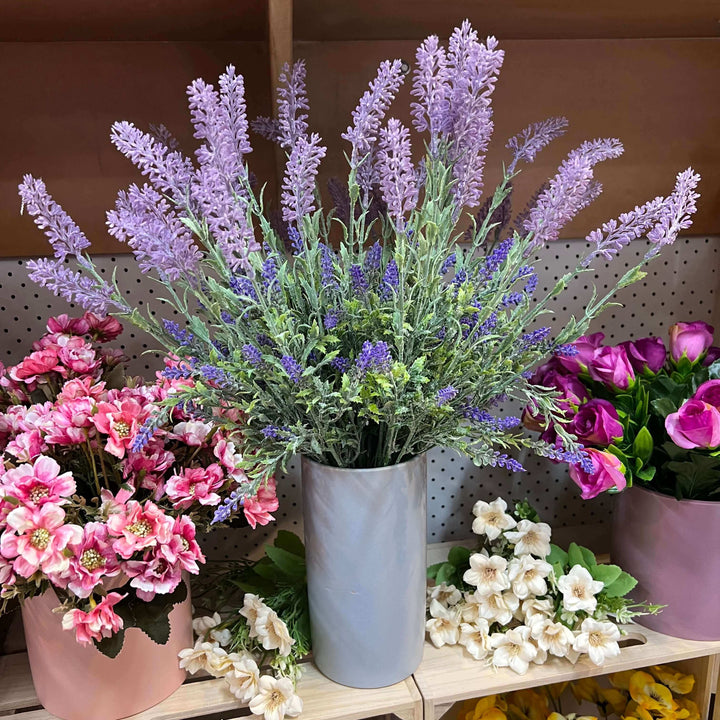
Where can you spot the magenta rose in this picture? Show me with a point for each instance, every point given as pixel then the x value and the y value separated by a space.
pixel 712 355
pixel 608 472
pixel 695 425
pixel 709 392
pixel 690 340
pixel 572 391
pixel 646 355
pixel 596 422
pixel 611 366
pixel 586 346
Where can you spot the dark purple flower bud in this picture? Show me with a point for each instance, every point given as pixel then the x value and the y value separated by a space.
pixel 586 347
pixel 292 367
pixel 269 271
pixel 373 257
pixel 709 392
pixel 296 241
pixel 181 335
pixel 597 423
pixel 448 263
pixel 445 395
pixel 358 280
pixel 327 268
pixel 391 279
pixel 243 286
pixel 374 357
pixel 646 355
pixel 712 355
pixel 341 364
pixel 226 317
pixel 611 366
pixel 252 354
pixel 331 319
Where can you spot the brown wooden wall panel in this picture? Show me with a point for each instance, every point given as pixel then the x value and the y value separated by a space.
pixel 660 97
pixel 60 99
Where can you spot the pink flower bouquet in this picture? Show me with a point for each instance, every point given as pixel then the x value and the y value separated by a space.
pixel 645 413
pixel 101 493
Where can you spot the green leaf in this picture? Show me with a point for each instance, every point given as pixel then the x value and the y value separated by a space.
pixel 153 622
pixel 445 574
pixel 622 586
pixel 643 444
pixel 588 557
pixel 459 556
pixel 663 406
pixel 714 370
pixel 112 645
pixel 289 541
pixel 432 570
pixel 576 557
pixel 647 473
pixel 557 555
pixel 606 574
pixel 289 563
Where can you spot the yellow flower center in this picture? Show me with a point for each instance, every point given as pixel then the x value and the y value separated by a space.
pixel 596 639
pixel 38 493
pixel 493 518
pixel 92 560
pixel 122 429
pixel 185 544
pixel 579 591
pixel 40 539
pixel 275 700
pixel 191 489
pixel 141 528
pixel 489 574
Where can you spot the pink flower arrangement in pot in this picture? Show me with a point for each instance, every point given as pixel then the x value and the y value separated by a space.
pixel 103 493
pixel 649 417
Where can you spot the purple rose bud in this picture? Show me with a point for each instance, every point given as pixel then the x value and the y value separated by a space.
pixel 596 422
pixel 646 355
pixel 709 392
pixel 690 340
pixel 572 391
pixel 611 366
pixel 586 347
pixel 713 354
pixel 608 472
pixel 695 425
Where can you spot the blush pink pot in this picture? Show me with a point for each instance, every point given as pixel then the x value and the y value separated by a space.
pixel 77 682
pixel 671 547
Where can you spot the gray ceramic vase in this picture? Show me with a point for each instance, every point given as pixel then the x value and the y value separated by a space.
pixel 365 539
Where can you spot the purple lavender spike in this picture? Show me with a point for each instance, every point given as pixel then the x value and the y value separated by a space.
pixel 431 86
pixel 396 172
pixel 266 127
pixel 528 143
pixel 298 197
pixel 292 101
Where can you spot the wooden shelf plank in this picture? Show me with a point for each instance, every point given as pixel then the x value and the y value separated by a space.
pixel 16 687
pixel 448 674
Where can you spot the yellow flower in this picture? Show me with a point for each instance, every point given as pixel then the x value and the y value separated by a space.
pixel 556 690
pixel 586 689
pixel 613 701
pixel 691 707
pixel 621 680
pixel 650 695
pixel 487 709
pixel 634 711
pixel 528 704
pixel 676 681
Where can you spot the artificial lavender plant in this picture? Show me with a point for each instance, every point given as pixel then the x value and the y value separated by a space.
pixel 376 334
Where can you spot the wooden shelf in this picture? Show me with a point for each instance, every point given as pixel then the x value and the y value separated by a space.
pixel 448 674
pixel 197 698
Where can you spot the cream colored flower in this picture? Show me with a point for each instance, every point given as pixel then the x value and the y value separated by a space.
pixel 527 576
pixel 487 574
pixel 243 678
pixel 253 606
pixel 469 608
pixel 531 538
pixel 579 590
pixel 513 649
pixel 203 656
pixel 498 607
pixel 552 637
pixel 491 518
pixel 445 594
pixel 598 639
pixel 203 628
pixel 444 625
pixel 475 638
pixel 273 633
pixel 275 699
pixel 534 606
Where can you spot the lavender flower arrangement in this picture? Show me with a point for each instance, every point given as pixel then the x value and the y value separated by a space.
pixel 376 334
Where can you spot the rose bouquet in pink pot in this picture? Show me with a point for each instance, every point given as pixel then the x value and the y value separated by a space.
pixel 102 496
pixel 646 413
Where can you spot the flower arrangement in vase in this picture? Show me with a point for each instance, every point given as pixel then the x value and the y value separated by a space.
pixel 363 335
pixel 96 522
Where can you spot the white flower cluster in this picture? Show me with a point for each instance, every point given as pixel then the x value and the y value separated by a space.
pixel 266 695
pixel 520 611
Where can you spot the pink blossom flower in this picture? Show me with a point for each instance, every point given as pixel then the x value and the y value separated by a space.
pixel 586 347
pixel 79 357
pixel 183 548
pixel 72 422
pixel 611 366
pixel 113 504
pixel 27 446
pixel 152 575
pixel 224 451
pixel 195 485
pixel 101 622
pixel 608 472
pixel 709 392
pixel 695 425
pixel 92 559
pixel 690 340
pixel 7 576
pixel 139 527
pixel 110 357
pixel 39 539
pixel 86 387
pixel 38 484
pixel 257 509
pixel 11 421
pixel 192 433
pixel 65 325
pixel 149 467
pixel 103 329
pixel 35 365
pixel 120 422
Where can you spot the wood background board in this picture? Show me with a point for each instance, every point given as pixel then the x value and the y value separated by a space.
pixel 60 100
pixel 414 19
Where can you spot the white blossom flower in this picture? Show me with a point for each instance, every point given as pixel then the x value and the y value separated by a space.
pixel 531 538
pixel 475 637
pixel 487 574
pixel 552 637
pixel 273 633
pixel 445 594
pixel 579 590
pixel 201 625
pixel 598 639
pixel 444 624
pixel 527 576
pixel 469 608
pixel 534 606
pixel 253 606
pixel 513 649
pixel 243 678
pixel 203 655
pixel 275 699
pixel 491 518
pixel 498 607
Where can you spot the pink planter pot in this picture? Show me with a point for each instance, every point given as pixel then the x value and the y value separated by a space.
pixel 76 682
pixel 671 547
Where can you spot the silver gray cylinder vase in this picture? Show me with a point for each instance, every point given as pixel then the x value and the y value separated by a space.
pixel 365 540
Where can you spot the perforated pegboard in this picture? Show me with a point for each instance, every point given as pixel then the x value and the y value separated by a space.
pixel 681 285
